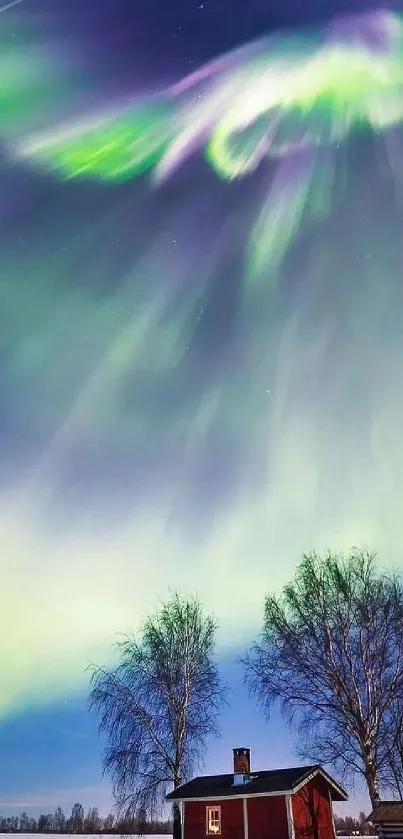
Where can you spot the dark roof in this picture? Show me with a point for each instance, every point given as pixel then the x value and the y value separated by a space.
pixel 387 811
pixel 270 781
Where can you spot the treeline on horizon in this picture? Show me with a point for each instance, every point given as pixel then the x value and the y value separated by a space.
pixel 81 823
pixel 350 826
pixel 92 823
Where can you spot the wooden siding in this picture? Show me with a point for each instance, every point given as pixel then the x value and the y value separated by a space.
pixel 267 818
pixel 312 812
pixel 231 818
pixel 390 831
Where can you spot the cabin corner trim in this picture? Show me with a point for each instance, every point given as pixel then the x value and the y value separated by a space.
pixel 245 819
pixel 290 817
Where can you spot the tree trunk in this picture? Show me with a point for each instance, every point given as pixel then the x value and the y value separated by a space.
pixel 176 813
pixel 372 783
pixel 177 827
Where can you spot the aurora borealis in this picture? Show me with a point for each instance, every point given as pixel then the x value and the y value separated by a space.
pixel 201 307
pixel 278 98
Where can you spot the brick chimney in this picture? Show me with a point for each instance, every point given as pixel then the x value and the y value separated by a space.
pixel 241 765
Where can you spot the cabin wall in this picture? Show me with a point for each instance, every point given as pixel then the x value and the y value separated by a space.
pixel 267 817
pixel 312 811
pixel 231 818
pixel 390 831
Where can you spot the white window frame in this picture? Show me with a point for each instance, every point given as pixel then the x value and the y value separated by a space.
pixel 213 808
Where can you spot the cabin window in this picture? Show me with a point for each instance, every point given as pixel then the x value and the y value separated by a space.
pixel 213 821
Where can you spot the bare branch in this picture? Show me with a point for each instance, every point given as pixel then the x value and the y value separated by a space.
pixel 331 652
pixel 157 707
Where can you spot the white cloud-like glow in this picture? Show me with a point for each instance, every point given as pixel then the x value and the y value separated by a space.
pixel 96 360
pixel 67 592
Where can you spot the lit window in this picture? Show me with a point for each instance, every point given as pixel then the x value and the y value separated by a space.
pixel 213 821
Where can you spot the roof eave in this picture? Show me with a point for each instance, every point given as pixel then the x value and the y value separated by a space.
pixel 176 797
pixel 382 813
pixel 337 792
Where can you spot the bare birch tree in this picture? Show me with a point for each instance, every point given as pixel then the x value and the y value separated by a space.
pixel 331 652
pixel 158 705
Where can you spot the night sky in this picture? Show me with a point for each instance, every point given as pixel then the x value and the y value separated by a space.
pixel 166 420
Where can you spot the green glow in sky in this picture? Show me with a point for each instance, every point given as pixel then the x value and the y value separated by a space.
pixel 118 351
pixel 263 102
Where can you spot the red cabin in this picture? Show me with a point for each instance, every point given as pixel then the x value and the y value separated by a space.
pixel 274 804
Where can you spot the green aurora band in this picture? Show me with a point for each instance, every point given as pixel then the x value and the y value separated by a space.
pixel 279 98
pixel 165 423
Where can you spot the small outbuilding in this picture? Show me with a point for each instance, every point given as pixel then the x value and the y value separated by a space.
pixel 294 803
pixel 387 817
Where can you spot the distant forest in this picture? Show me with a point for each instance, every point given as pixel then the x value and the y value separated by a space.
pixel 350 826
pixel 83 823
pixel 92 822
